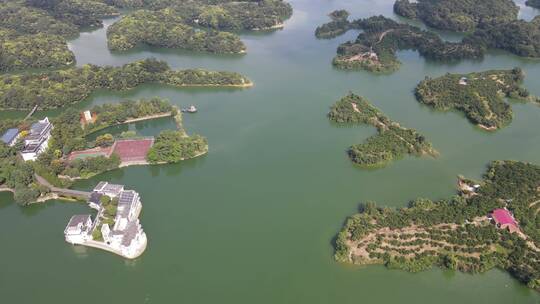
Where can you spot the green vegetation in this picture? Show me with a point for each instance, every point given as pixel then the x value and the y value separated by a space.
pixel 62 88
pixel 458 15
pixel 18 175
pixel 375 49
pixel 481 96
pixel 173 146
pixel 81 13
pixel 166 29
pixel 338 26
pixel 392 141
pixel 454 233
pixel 113 114
pixel 33 51
pixel 518 37
pixel 533 3
pixel 31 20
pixel 88 167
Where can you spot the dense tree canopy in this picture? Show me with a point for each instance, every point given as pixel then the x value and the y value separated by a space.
pixel 165 28
pixel 41 50
pixel 479 95
pixel 458 15
pixel 455 233
pixel 392 141
pixel 61 88
pixel 173 146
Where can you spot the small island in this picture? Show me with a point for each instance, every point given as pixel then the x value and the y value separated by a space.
pixel 55 89
pixel 490 223
pixel 375 48
pixel 116 227
pixel 392 141
pixel 457 15
pixel 480 95
pixel 165 28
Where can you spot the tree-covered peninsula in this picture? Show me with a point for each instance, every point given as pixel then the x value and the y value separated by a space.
pixel 226 15
pixel 56 89
pixel 392 141
pixel 68 156
pixel 456 233
pixel 375 48
pixel 457 15
pixel 480 96
pixel 165 28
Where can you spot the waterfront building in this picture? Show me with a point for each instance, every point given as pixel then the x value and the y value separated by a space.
pixel 125 236
pixel 504 220
pixel 78 229
pixel 11 136
pixel 38 139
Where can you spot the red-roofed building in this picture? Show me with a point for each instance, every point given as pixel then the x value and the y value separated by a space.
pixel 504 220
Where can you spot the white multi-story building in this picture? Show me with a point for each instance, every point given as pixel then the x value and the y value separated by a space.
pixel 79 229
pixel 38 139
pixel 126 237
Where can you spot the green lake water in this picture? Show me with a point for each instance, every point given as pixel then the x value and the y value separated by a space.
pixel 253 221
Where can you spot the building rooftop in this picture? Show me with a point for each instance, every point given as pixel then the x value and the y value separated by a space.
pixel 40 126
pixel 125 203
pixel 130 232
pixel 503 216
pixel 109 188
pixel 10 135
pixel 78 219
pixel 95 198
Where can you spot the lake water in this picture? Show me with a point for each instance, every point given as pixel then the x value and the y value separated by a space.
pixel 253 221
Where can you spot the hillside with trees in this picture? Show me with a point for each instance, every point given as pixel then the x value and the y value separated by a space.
pixel 226 15
pixel 392 141
pixel 454 233
pixel 457 15
pixel 172 146
pixel 375 48
pixel 480 96
pixel 165 28
pixel 35 51
pixel 56 89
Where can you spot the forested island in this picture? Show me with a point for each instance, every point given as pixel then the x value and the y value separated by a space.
pixel 480 96
pixel 456 233
pixel 457 15
pixel 375 48
pixel 165 28
pixel 56 89
pixel 18 52
pixel 194 25
pixel 392 141
pixel 227 15
pixel 63 160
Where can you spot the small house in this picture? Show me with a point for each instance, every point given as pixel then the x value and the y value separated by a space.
pixel 463 81
pixel 78 229
pixel 11 136
pixel 504 219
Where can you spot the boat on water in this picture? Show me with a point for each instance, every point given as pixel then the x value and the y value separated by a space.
pixel 191 109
